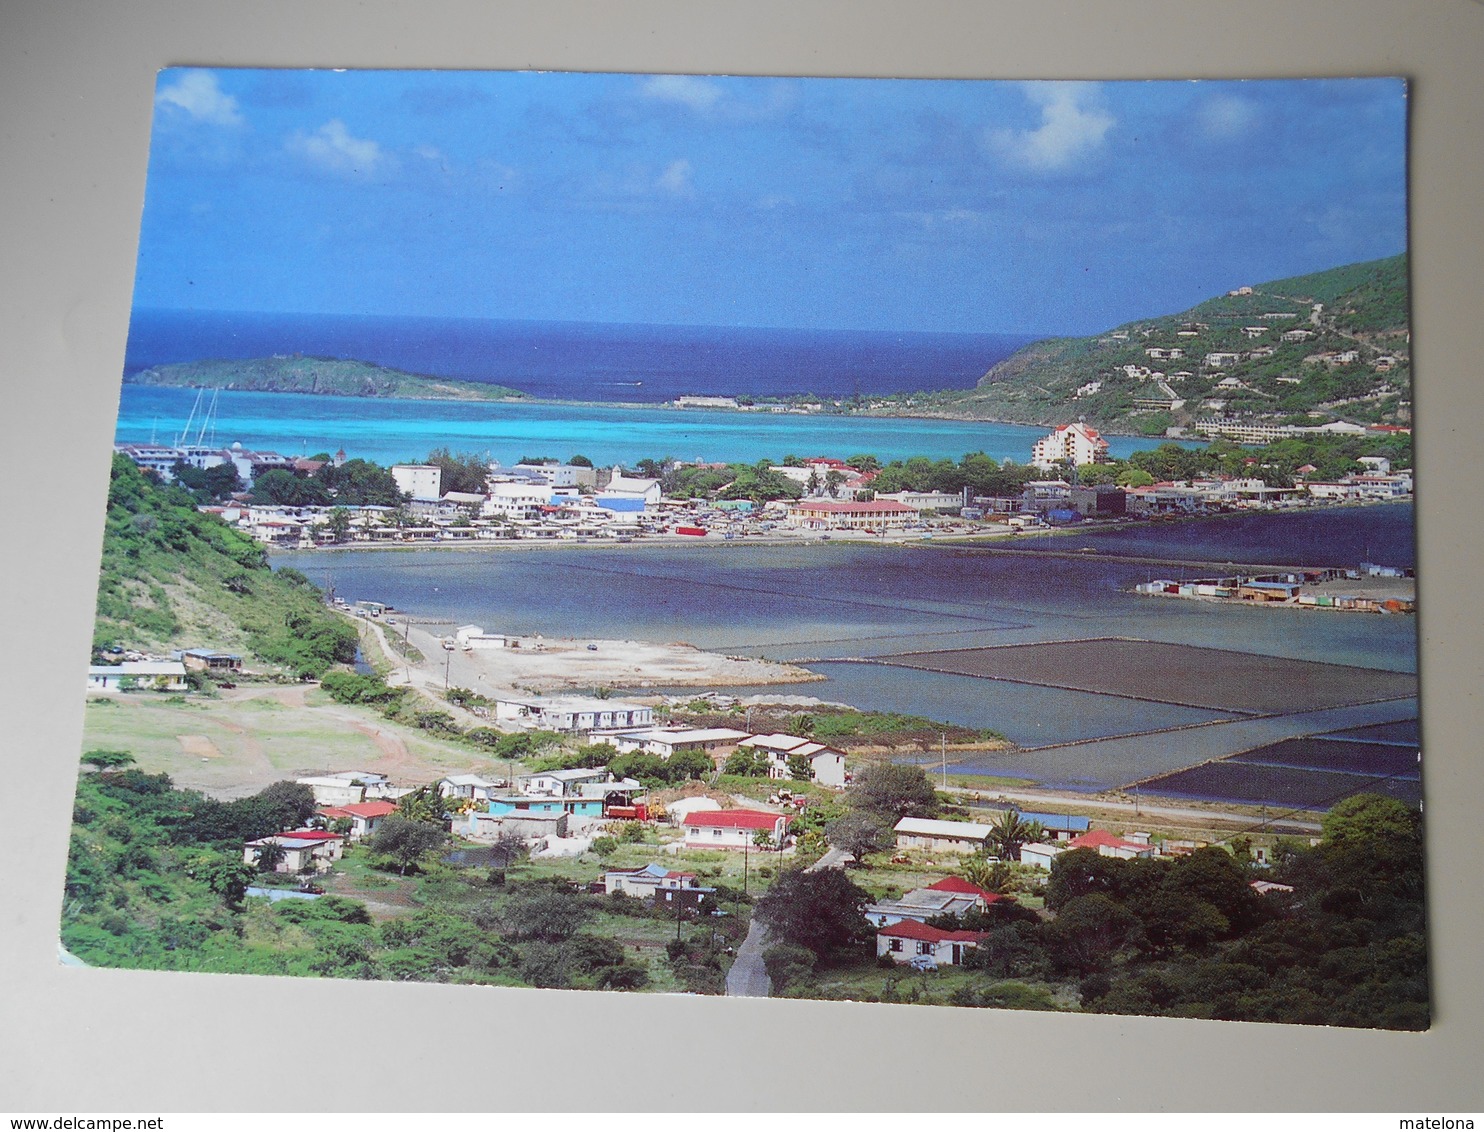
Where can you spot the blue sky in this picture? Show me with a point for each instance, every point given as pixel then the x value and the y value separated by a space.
pixel 1053 207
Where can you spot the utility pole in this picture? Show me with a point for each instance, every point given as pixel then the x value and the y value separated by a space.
pixel 943 751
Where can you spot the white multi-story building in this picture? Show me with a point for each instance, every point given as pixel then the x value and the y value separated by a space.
pixel 421 481
pixel 1075 442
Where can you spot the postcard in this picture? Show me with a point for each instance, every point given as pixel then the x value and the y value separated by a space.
pixel 935 542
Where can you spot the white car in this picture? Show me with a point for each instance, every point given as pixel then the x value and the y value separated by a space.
pixel 923 963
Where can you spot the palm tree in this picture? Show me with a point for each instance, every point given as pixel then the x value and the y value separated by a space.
pixel 1012 831
pixel 981 872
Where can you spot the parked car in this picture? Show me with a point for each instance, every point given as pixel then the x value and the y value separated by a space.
pixel 923 963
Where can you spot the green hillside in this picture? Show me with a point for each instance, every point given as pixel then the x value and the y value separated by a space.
pixel 173 577
pixel 335 377
pixel 1352 361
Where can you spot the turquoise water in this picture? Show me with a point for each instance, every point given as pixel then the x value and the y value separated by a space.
pixel 828 603
pixel 389 431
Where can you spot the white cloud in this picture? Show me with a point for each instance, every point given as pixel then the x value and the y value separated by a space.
pixel 197 95
pixel 428 152
pixel 1073 125
pixel 676 178
pixel 332 147
pixel 698 94
pixel 1226 116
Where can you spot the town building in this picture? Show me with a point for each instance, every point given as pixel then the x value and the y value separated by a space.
pixel 825 515
pixel 1076 442
pixel 420 481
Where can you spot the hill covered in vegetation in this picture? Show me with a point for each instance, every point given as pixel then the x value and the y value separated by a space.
pixel 173 577
pixel 336 377
pixel 1305 350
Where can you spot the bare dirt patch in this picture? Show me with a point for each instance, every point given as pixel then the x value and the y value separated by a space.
pixel 199 746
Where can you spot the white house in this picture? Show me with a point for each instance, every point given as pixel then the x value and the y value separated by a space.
pixel 156 675
pixel 717 742
pixel 304 850
pixel 949 896
pixel 826 765
pixel 941 836
pixel 907 940
pixel 469 786
pixel 364 817
pixel 560 783
pixel 346 786
pixel 732 829
pixel 644 882
pixel 1040 856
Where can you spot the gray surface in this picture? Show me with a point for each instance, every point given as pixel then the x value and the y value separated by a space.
pixel 75 88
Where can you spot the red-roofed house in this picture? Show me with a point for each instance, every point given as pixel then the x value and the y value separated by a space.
pixel 960 887
pixel 364 816
pixel 1106 844
pixel 304 850
pixel 732 829
pixel 907 940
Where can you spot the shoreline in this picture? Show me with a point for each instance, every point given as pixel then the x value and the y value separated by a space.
pixel 663 406
pixel 955 541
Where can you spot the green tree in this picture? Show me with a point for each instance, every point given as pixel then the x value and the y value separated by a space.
pixel 338 524
pixel 788 965
pixel 405 841
pixel 1087 932
pixel 746 763
pixel 546 914
pixel 101 760
pixel 1010 831
pixel 800 769
pixel 859 833
pixel 894 791
pixel 1368 817
pixel 270 856
pixel 823 911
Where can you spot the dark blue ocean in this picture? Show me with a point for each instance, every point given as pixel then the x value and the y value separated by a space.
pixel 586 361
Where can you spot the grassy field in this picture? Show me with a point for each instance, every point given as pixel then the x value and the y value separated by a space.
pixel 236 744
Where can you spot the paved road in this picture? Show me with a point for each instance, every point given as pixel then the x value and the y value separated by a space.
pixel 748 978
pixel 1143 809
